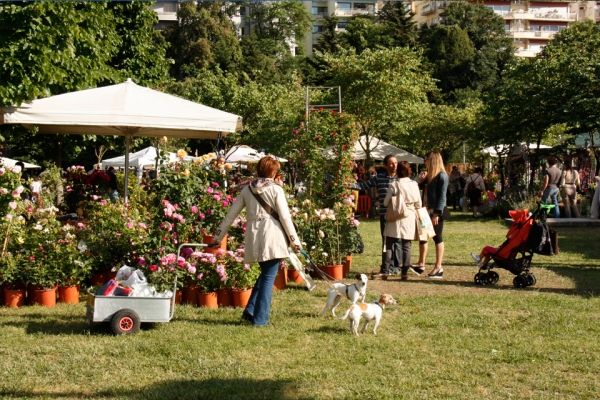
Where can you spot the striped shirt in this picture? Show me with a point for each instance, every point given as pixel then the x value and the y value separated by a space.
pixel 381 181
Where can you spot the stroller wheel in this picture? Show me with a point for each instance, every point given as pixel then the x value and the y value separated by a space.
pixel 520 281
pixel 530 278
pixel 493 277
pixel 479 278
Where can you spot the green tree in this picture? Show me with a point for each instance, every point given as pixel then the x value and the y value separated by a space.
pixel 485 30
pixel 49 48
pixel 204 37
pixel 329 41
pixel 386 90
pixel 398 25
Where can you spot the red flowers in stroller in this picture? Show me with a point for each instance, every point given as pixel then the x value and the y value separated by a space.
pixel 528 234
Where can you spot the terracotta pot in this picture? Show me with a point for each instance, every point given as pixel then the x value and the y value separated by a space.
pixel 281 278
pixel 178 297
pixel 347 264
pixel 43 296
pixel 68 294
pixel 335 272
pixel 224 297
pixel 208 299
pixel 294 276
pixel 190 295
pixel 240 297
pixel 14 297
pixel 209 239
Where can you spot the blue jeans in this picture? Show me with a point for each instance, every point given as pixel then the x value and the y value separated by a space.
pixel 259 305
pixel 550 196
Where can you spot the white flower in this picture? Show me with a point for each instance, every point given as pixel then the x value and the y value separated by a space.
pixel 38 227
pixel 321 234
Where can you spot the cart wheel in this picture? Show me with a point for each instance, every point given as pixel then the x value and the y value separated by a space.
pixel 493 277
pixel 125 322
pixel 479 278
pixel 530 279
pixel 520 281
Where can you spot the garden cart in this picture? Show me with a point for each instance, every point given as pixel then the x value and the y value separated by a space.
pixel 126 313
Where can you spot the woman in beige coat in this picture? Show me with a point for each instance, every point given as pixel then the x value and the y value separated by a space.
pixel 268 229
pixel 399 234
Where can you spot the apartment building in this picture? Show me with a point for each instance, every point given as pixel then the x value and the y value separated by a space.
pixel 531 24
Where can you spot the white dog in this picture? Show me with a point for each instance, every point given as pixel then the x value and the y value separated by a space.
pixel 354 292
pixel 370 311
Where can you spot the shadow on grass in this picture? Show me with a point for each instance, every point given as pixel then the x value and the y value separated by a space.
pixel 583 288
pixel 180 389
pixel 331 329
pixel 587 280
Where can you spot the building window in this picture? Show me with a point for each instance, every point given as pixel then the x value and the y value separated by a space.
pixel 342 24
pixel 344 7
pixel 322 11
pixel 499 9
pixel 317 28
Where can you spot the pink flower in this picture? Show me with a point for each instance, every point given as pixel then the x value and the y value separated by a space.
pixel 210 190
pixel 141 261
pixel 200 276
pixel 142 225
pixel 191 269
pixel 201 216
pixel 180 261
pixel 80 225
pixel 195 210
pixel 103 202
pixel 12 205
pixel 153 268
pixel 130 225
pixel 215 184
pixel 225 203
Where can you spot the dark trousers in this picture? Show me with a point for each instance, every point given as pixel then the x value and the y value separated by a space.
pixel 397 254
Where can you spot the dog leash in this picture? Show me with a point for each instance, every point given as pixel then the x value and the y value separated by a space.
pixel 318 270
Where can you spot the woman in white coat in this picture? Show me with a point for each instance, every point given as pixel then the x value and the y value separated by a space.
pixel 402 232
pixel 268 230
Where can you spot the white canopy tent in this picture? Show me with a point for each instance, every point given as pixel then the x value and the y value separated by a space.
pixel 9 162
pixel 379 149
pixel 144 158
pixel 244 154
pixel 124 109
pixel 492 151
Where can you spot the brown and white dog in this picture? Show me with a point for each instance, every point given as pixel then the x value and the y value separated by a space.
pixel 354 292
pixel 370 311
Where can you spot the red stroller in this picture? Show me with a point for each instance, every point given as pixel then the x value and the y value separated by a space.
pixel 527 235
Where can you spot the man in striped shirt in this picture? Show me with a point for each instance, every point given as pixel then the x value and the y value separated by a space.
pixel 382 181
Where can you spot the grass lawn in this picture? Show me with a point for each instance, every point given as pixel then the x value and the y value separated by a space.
pixel 445 339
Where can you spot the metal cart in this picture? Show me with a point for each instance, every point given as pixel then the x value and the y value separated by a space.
pixel 125 314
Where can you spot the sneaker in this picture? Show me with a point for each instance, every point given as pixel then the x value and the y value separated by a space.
pixel 404 277
pixel 437 275
pixel 417 269
pixel 247 317
pixel 476 258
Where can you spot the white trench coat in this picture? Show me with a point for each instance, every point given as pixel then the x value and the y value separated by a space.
pixel 404 228
pixel 265 237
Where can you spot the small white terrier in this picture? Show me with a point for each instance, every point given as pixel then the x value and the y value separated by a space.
pixel 370 311
pixel 354 292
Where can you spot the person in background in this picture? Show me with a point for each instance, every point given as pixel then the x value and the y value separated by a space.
pixel 454 188
pixel 436 187
pixel 381 182
pixel 550 183
pixel 113 192
pixel 400 233
pixel 36 190
pixel 570 184
pixel 474 188
pixel 267 233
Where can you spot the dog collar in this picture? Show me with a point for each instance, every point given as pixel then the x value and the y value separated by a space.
pixel 379 304
pixel 347 286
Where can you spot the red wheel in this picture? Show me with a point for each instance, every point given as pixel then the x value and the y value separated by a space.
pixel 125 322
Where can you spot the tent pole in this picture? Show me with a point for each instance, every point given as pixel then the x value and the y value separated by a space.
pixel 126 180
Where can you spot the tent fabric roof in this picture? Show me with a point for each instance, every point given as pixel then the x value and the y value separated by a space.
pixel 492 150
pixel 140 159
pixel 379 149
pixel 9 162
pixel 242 154
pixel 124 109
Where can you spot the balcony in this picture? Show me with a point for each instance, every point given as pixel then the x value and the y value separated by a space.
pixel 166 10
pixel 353 12
pixel 541 16
pixel 527 52
pixel 528 34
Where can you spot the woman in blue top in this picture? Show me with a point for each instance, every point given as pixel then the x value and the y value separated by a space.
pixel 435 200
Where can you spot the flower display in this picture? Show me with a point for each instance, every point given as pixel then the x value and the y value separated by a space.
pixel 212 207
pixel 241 275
